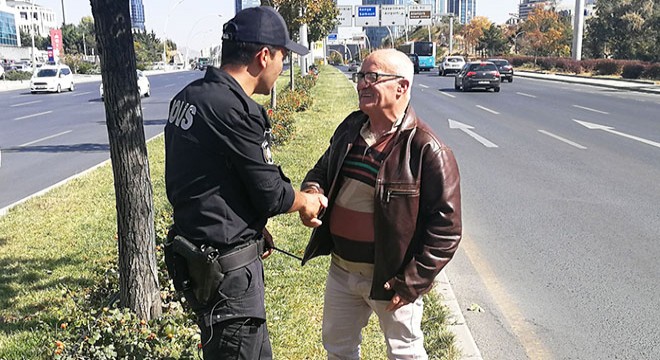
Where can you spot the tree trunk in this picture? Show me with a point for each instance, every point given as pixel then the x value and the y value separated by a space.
pixel 138 271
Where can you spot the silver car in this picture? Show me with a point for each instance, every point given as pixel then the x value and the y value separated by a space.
pixel 451 64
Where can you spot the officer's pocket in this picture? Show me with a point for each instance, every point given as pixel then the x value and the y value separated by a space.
pixel 238 283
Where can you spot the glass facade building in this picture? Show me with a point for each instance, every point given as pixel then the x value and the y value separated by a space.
pixel 137 15
pixel 244 4
pixel 465 10
pixel 8 35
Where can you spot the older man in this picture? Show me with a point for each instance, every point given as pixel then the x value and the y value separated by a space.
pixel 394 214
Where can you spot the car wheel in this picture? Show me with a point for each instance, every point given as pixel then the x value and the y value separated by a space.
pixel 59 88
pixel 465 88
pixel 72 87
pixel 511 79
pixel 456 87
pixel 33 92
pixel 497 89
pixel 148 93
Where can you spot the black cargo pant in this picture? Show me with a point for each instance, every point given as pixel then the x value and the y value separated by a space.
pixel 234 325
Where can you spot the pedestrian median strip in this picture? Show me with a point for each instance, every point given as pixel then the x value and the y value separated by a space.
pixel 569 142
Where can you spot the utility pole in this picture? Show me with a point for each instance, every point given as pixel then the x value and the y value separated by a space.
pixel 578 29
pixel 63 16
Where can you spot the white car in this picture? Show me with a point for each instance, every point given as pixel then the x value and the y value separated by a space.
pixel 451 64
pixel 52 78
pixel 144 87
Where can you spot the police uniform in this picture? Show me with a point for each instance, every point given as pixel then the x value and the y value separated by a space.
pixel 223 186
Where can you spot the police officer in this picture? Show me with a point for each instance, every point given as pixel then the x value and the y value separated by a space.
pixel 223 184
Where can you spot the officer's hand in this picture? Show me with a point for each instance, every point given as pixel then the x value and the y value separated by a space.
pixel 267 253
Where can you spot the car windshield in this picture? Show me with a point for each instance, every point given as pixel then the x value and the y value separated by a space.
pixel 454 60
pixel 500 62
pixel 483 67
pixel 47 73
pixel 423 48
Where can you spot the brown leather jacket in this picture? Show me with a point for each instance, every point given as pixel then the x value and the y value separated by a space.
pixel 417 212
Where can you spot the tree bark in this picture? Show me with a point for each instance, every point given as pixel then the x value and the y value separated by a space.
pixel 138 271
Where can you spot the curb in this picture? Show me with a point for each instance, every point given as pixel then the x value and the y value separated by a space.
pixel 632 85
pixel 458 326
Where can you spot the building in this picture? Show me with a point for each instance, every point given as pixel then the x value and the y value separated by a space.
pixel 137 15
pixel 9 33
pixel 464 10
pixel 244 4
pixel 33 15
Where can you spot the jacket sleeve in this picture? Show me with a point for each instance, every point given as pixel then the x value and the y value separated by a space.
pixel 439 227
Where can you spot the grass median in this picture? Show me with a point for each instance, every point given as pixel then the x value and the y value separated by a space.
pixel 61 246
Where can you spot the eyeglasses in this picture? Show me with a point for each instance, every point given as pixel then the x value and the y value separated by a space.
pixel 373 77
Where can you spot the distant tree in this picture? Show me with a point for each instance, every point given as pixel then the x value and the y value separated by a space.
pixel 40 42
pixel 473 31
pixel 319 15
pixel 546 34
pixel 138 286
pixel 625 29
pixel 493 41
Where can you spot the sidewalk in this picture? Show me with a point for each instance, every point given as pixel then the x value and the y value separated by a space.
pixel 646 86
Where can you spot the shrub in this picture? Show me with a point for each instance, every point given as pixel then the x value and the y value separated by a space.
pixel 589 65
pixel 652 71
pixel 607 67
pixel 546 63
pixel 18 75
pixel 282 123
pixel 633 70
pixel 87 68
pixel 574 66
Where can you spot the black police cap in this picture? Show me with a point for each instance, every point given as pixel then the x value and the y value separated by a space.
pixel 262 25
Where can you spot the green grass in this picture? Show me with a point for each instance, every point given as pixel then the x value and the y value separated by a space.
pixel 55 250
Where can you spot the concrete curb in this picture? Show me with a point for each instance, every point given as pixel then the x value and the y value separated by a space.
pixel 458 326
pixel 608 83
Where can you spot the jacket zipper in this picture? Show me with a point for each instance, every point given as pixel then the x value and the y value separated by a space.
pixel 391 193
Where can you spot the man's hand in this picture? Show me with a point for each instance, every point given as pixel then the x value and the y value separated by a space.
pixel 311 209
pixel 396 302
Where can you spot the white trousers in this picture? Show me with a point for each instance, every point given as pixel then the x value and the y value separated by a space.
pixel 347 309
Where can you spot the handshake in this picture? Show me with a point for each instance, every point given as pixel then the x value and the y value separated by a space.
pixel 310 204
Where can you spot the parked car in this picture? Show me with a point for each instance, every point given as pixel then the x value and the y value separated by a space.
pixel 354 66
pixel 2 71
pixel 52 78
pixel 451 64
pixel 144 87
pixel 506 70
pixel 415 60
pixel 478 74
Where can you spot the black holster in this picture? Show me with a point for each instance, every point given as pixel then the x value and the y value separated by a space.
pixel 193 268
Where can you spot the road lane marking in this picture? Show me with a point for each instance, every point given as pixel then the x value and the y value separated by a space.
pixel 26 103
pixel 609 129
pixel 169 85
pixel 528 95
pixel 590 109
pixel 424 86
pixel 45 138
pixel 33 115
pixel 83 93
pixel 447 94
pixel 467 129
pixel 521 327
pixel 487 109
pixel 562 139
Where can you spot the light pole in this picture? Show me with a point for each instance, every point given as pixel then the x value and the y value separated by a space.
pixel 515 41
pixel 32 37
pixel 578 29
pixel 165 31
pixel 193 28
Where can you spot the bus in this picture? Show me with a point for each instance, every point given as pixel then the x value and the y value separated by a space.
pixel 203 63
pixel 425 50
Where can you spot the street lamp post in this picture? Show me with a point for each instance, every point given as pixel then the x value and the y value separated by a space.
pixel 515 41
pixel 165 31
pixel 191 32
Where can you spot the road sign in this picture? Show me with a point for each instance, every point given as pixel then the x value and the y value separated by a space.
pixel 345 17
pixel 392 15
pixel 419 15
pixel 366 15
pixel 332 37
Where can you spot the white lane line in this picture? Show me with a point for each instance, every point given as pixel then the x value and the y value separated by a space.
pixel 447 94
pixel 423 86
pixel 528 95
pixel 487 109
pixel 453 124
pixel 609 129
pixel 562 139
pixel 45 138
pixel 33 115
pixel 26 103
pixel 169 85
pixel 83 93
pixel 590 109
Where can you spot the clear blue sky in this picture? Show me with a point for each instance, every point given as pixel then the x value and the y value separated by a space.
pixel 196 24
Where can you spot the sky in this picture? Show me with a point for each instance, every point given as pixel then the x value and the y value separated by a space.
pixel 197 24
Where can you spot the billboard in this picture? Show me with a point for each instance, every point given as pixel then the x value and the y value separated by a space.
pixel 56 42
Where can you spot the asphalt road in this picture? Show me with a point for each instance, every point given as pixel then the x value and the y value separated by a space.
pixel 562 220
pixel 46 138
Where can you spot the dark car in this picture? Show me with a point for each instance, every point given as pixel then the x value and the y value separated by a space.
pixel 506 70
pixel 478 74
pixel 354 66
pixel 415 60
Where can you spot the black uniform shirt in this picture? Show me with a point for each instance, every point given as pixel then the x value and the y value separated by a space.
pixel 219 173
